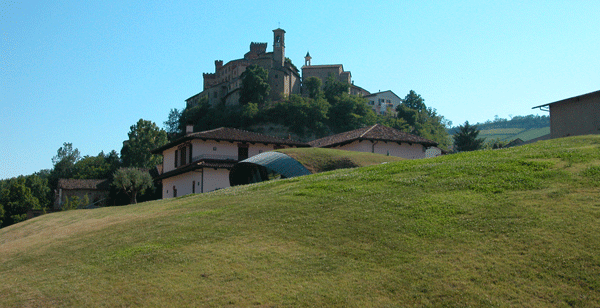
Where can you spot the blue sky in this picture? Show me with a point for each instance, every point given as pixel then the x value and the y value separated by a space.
pixel 85 71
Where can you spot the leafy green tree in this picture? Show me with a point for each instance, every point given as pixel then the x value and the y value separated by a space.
pixel 334 88
pixel 143 137
pixel 249 113
pixel 65 160
pixel 255 86
pixel 465 139
pixel 422 120
pixel 303 116
pixel 349 112
pixel 97 167
pixel 414 101
pixel 313 87
pixel 409 115
pixel 132 181
pixel 172 126
pixel 390 120
pixel 16 199
pixel 40 189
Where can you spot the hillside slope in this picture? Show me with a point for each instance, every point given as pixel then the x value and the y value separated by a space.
pixel 320 160
pixel 510 227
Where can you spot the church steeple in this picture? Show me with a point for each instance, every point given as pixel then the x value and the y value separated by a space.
pixel 307 59
pixel 279 46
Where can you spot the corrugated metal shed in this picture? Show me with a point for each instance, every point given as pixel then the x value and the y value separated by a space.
pixel 256 168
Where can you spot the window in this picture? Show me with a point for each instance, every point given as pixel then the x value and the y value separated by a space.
pixel 174 192
pixel 176 156
pixel 193 187
pixel 242 152
pixel 182 151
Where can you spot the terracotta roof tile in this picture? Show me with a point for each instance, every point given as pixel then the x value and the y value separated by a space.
pixel 89 184
pixel 233 135
pixel 375 132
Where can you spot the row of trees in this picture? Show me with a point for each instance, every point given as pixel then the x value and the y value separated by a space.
pixel 127 171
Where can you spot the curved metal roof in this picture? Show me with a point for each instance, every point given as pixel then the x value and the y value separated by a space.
pixel 256 168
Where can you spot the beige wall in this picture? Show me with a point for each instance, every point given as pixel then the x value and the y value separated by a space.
pixel 573 118
pixel 221 150
pixel 205 180
pixel 403 150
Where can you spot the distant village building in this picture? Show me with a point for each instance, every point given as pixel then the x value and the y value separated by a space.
pixel 579 115
pixel 200 162
pixel 324 71
pixel 284 77
pixel 224 84
pixel 96 190
pixel 380 139
pixel 383 102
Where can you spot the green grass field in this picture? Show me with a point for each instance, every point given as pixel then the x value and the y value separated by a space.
pixel 510 227
pixel 509 134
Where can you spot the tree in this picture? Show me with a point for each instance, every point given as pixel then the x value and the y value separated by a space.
pixel 334 88
pixel 350 112
pixel 132 181
pixel 465 139
pixel 313 86
pixel 255 86
pixel 97 167
pixel 422 120
pixel 172 124
pixel 144 136
pixel 414 101
pixel 303 116
pixel 64 161
pixel 16 199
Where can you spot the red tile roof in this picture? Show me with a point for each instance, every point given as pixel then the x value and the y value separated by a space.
pixel 233 135
pixel 88 184
pixel 375 132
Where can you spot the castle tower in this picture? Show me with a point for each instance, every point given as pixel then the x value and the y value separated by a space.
pixel 279 46
pixel 307 59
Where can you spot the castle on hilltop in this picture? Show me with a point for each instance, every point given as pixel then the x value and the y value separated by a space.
pixel 284 77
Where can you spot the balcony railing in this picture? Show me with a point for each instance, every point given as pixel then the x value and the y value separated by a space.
pixel 215 157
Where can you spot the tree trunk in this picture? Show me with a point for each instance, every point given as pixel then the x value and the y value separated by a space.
pixel 133 198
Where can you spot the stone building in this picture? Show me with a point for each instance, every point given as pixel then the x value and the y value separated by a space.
pixel 224 84
pixel 579 115
pixel 96 190
pixel 324 71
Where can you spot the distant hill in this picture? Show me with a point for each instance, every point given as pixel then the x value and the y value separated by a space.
pixel 523 127
pixel 517 227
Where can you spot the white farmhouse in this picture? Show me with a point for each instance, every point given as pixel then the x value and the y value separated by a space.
pixel 200 162
pixel 379 139
pixel 381 102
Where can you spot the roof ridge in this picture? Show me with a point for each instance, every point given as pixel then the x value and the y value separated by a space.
pixel 368 130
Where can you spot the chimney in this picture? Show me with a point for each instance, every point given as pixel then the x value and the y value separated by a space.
pixel 189 129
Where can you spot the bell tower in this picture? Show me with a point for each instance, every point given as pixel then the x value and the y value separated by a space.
pixel 279 46
pixel 307 59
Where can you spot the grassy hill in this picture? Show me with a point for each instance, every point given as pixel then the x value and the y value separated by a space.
pixel 320 160
pixel 510 227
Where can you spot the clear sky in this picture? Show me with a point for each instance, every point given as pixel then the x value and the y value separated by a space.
pixel 85 71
